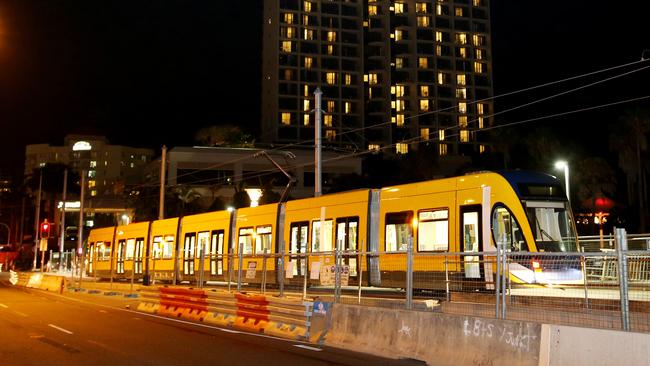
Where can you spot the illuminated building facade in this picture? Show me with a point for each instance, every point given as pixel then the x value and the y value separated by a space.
pixel 393 74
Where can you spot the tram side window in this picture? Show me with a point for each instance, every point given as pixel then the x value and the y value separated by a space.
pixel 398 230
pixel 246 240
pixel 168 246
pixel 217 242
pixel 506 231
pixel 130 248
pixel 204 243
pixel 433 230
pixel 263 239
pixel 299 237
pixel 316 245
pixel 103 251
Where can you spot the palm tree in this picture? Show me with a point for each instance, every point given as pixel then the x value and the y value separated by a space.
pixel 630 141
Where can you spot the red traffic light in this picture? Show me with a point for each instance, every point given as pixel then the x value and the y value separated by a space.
pixel 45 229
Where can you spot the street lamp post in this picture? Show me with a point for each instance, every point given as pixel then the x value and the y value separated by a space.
pixel 564 165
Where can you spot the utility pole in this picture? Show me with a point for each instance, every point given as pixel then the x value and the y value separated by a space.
pixel 62 229
pixel 37 219
pixel 317 167
pixel 163 165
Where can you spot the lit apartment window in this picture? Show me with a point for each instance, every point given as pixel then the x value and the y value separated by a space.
pixel 93 163
pixel 308 62
pixel 398 90
pixel 423 21
pixel 438 9
pixel 461 38
pixel 330 49
pixel 288 74
pixel 398 34
pixel 438 36
pixel 441 135
pixel 462 121
pixel 306 6
pixel 476 2
pixel 460 79
pixel 288 32
pixel 308 34
pixel 401 148
pixel 286 118
pixel 330 78
pixel 479 54
pixel 331 106
pixel 306 105
pixel 327 121
pixel 93 193
pixel 421 8
pixel 458 11
pixel 92 184
pixel 480 108
pixel 462 107
pixel 372 10
pixel 442 78
pixel 399 119
pixel 288 18
pixel 478 67
pixel 372 79
pixel 423 62
pixel 331 36
pixel 399 8
pixel 481 149
pixel 399 62
pixel 481 122
pixel 305 20
pixel 461 93
pixel 424 134
pixel 305 119
pixel 424 105
pixel 347 107
pixel 438 50
pixel 478 40
pixel 373 147
pixel 442 149
pixel 399 105
pixel 463 52
pixel 305 90
pixel 286 46
pixel 330 135
pixel 424 90
pixel 464 136
pixel 348 79
pixel 369 93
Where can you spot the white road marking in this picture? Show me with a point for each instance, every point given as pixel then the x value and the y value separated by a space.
pixel 20 313
pixel 103 311
pixel 60 329
pixel 4 306
pixel 229 330
pixel 307 347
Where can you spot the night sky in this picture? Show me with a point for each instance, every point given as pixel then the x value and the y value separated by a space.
pixel 147 73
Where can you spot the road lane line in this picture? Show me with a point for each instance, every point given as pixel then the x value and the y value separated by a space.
pixel 20 313
pixel 4 306
pixel 307 347
pixel 60 329
pixel 103 311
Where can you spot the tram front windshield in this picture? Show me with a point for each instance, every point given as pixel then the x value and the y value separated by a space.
pixel 552 226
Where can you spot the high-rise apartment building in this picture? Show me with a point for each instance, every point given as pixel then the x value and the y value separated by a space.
pixel 393 73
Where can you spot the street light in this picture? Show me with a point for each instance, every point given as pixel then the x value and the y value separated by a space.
pixel 561 164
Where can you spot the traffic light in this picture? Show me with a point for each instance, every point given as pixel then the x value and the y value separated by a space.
pixel 45 230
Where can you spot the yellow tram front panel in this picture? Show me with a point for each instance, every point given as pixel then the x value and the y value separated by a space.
pixel 98 252
pixel 204 234
pixel 255 232
pixel 344 219
pixel 424 213
pixel 162 248
pixel 129 253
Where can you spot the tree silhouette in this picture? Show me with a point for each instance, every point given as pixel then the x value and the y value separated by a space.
pixel 596 179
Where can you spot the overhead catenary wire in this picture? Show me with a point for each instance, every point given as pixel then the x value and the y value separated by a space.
pixel 360 129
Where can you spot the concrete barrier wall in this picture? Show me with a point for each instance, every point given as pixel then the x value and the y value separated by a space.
pixel 437 339
pixel 561 345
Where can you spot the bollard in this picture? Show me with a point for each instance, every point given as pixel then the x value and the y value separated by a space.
pixel 264 272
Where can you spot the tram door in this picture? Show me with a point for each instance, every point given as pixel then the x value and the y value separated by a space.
pixel 347 234
pixel 471 238
pixel 121 245
pixel 216 253
pixel 188 254
pixel 299 242
pixel 91 257
pixel 138 255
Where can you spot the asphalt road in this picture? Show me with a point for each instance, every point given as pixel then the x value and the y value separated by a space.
pixel 41 328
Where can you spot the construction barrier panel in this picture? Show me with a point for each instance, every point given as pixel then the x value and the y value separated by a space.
pixel 39 281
